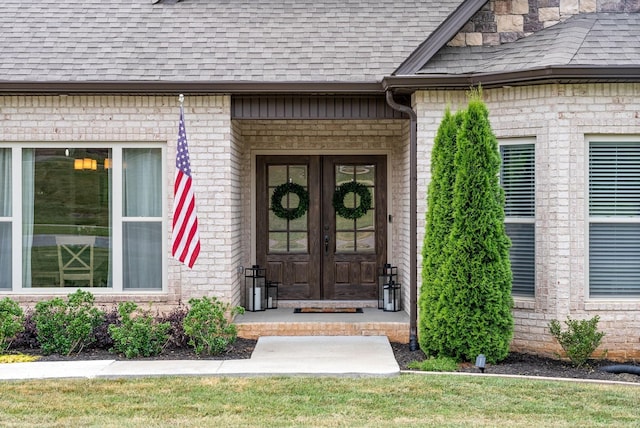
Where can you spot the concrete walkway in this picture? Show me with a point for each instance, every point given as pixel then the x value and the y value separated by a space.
pixel 273 355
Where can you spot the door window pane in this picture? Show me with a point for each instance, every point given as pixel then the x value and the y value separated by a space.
pixel 287 236
pixel 356 235
pixel 66 197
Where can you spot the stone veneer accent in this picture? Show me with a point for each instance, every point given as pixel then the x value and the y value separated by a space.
pixel 557 118
pixel 504 21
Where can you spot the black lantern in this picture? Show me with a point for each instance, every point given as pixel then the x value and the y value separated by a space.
pixel 387 275
pixel 255 283
pixel 391 295
pixel 272 294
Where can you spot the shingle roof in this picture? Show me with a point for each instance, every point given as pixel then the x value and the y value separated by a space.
pixel 212 40
pixel 592 40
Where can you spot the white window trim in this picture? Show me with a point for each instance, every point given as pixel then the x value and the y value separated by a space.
pixel 117 217
pixel 602 138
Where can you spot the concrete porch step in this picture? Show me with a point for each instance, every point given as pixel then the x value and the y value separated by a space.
pixel 284 322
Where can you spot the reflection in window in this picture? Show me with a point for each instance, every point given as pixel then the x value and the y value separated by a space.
pixel 357 235
pixel 65 194
pixel 5 218
pixel 74 234
pixel 287 236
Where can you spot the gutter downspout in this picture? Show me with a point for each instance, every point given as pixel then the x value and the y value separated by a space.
pixel 413 207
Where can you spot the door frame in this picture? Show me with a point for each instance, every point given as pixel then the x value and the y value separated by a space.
pixel 252 214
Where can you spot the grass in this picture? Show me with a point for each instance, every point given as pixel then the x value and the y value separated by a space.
pixel 407 400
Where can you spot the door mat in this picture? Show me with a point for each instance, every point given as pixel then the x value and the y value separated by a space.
pixel 327 311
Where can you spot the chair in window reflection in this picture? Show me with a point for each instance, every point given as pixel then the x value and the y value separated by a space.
pixel 75 258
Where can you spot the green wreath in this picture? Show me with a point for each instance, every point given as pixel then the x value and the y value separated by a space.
pixel 352 187
pixel 289 213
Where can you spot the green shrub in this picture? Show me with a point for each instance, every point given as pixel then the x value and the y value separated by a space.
pixel 439 219
pixel 138 335
pixel 435 364
pixel 11 322
pixel 473 297
pixel 580 340
pixel 66 327
pixel 207 325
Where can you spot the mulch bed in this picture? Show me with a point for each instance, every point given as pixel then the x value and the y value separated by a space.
pixel 514 364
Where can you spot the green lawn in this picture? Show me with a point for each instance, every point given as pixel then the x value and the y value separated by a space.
pixel 407 400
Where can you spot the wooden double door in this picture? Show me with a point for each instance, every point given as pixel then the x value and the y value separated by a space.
pixel 321 255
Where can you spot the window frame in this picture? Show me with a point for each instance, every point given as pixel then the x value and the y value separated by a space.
pixel 117 217
pixel 612 219
pixel 521 219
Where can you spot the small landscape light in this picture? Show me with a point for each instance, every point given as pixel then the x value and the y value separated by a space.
pixel 480 362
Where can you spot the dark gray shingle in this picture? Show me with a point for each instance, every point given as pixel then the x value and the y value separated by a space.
pixel 597 39
pixel 212 40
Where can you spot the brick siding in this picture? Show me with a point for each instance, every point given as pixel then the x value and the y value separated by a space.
pixel 558 117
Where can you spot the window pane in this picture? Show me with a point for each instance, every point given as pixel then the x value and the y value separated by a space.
pixel 142 255
pixel 287 236
pixel 365 242
pixel 345 242
pixel 66 198
pixel 614 179
pixel 5 255
pixel 5 211
pixel 5 182
pixel 277 175
pixel 614 259
pixel 522 255
pixel 278 242
pixel 298 242
pixel 517 177
pixel 142 177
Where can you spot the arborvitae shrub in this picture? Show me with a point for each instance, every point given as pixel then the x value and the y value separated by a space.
pixel 477 273
pixel 439 219
pixel 466 307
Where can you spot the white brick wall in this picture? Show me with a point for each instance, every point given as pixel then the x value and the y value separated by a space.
pixel 558 117
pixel 214 159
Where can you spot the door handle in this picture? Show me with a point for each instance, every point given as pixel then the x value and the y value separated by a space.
pixel 326 244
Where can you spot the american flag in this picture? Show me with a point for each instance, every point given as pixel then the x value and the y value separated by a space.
pixel 185 241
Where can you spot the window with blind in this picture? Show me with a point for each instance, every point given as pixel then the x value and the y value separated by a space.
pixel 614 219
pixel 517 177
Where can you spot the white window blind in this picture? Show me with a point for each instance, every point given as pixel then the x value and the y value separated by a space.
pixel 517 177
pixel 614 211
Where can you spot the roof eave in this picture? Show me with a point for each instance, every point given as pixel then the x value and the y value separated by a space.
pixel 551 74
pixel 194 88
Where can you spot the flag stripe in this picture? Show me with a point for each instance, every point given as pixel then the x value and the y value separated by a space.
pixel 185 245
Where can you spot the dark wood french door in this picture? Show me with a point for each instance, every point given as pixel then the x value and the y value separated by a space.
pixel 322 255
